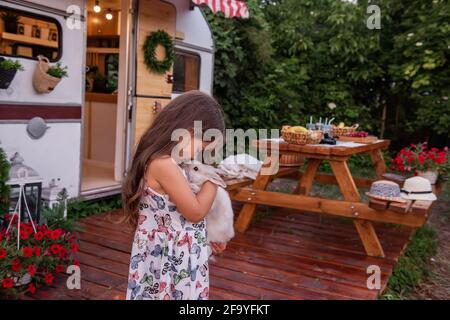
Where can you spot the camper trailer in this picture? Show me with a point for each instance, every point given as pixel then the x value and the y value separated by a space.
pixel 81 132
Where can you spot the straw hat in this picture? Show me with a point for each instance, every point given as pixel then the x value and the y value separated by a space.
pixel 418 188
pixel 385 190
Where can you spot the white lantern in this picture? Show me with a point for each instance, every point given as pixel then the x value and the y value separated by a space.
pixel 26 189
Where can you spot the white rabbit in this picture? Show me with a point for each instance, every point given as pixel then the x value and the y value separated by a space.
pixel 219 219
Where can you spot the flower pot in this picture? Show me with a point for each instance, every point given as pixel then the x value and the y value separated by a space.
pixel 432 176
pixel 100 86
pixel 24 280
pixel 42 81
pixel 6 76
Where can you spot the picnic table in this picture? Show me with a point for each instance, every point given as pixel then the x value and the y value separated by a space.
pixel 352 207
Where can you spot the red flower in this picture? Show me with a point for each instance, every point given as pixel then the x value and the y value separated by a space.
pixel 32 270
pixel 59 268
pixel 24 235
pixel 3 253
pixel 31 288
pixel 74 247
pixel 56 234
pixel 48 234
pixel 7 283
pixel 62 252
pixel 37 251
pixel 441 157
pixel 49 278
pixel 10 216
pixel 27 228
pixel 16 265
pixel 27 252
pixel 76 263
pixel 39 235
pixel 421 159
pixel 55 248
pixel 398 160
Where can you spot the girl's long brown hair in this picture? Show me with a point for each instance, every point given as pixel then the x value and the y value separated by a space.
pixel 180 113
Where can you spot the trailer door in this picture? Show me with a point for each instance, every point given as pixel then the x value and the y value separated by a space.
pixel 152 91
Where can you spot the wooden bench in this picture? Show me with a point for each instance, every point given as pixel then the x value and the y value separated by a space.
pixel 410 206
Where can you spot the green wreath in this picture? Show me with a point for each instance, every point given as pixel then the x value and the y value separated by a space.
pixel 151 42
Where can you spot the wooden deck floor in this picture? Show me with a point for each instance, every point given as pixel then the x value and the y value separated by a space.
pixel 284 255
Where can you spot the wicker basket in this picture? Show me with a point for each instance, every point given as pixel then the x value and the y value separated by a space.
pixel 291 160
pixel 340 132
pixel 42 81
pixel 301 138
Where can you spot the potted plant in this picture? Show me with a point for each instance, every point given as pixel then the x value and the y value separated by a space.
pixel 47 76
pixel 100 83
pixel 8 69
pixel 58 71
pixel 41 256
pixel 11 20
pixel 421 161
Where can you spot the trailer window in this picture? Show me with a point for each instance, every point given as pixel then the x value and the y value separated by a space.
pixel 27 35
pixel 186 72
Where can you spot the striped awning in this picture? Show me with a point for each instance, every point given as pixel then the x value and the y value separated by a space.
pixel 231 8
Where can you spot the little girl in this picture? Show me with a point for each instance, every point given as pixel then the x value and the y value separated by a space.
pixel 169 258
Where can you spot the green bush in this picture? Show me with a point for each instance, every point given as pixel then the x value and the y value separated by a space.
pixel 4 176
pixel 79 208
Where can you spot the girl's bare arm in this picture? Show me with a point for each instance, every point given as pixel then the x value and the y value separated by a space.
pixel 192 207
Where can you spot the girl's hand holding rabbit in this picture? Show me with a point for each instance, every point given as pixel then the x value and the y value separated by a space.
pixel 218 247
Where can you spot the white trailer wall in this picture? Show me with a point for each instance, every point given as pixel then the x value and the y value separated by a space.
pixel 57 153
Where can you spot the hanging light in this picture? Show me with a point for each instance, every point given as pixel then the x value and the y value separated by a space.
pixel 109 15
pixel 97 7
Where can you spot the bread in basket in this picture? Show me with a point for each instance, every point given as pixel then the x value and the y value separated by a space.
pixel 301 137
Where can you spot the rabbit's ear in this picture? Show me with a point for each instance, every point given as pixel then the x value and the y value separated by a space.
pixel 216 179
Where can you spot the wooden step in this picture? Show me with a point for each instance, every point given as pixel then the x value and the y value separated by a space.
pixel 409 206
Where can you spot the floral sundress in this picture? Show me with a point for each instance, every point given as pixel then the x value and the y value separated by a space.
pixel 169 258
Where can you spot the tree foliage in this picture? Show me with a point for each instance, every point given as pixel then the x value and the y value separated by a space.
pixel 293 59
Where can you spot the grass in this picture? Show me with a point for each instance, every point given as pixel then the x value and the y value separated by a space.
pixel 78 208
pixel 413 266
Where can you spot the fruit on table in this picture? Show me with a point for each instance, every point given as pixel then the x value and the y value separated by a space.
pixel 298 129
pixel 342 125
pixel 359 134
